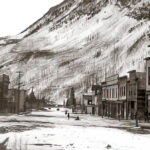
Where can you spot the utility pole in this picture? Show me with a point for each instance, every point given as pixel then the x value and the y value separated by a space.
pixel 19 85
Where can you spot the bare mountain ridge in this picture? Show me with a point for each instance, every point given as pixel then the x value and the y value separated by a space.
pixel 79 43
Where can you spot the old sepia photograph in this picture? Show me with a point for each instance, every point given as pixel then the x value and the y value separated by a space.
pixel 74 74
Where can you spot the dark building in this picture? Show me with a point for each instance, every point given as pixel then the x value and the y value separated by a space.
pixel 32 102
pixel 136 94
pixel 147 104
pixel 13 95
pixel 71 100
pixel 4 83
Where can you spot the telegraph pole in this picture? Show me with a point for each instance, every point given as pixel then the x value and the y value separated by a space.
pixel 19 85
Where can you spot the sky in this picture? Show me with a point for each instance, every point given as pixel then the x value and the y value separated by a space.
pixel 17 15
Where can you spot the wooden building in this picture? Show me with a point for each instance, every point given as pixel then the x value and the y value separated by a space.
pixel 147 103
pixel 88 103
pixel 122 101
pixel 4 83
pixel 97 95
pixel 110 96
pixel 136 94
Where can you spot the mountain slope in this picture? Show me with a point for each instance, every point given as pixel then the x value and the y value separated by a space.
pixel 78 43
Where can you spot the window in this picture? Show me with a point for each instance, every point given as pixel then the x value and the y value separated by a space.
pixel 148 75
pixel 120 92
pixel 124 91
pixel 131 90
pixel 112 93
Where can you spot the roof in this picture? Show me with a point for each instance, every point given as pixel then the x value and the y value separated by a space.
pixel 123 77
pixel 147 58
pixel 111 78
pixel 4 77
pixel 131 71
pixel 88 94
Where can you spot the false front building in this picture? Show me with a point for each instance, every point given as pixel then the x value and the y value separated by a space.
pixel 4 83
pixel 92 103
pixel 123 97
pixel 110 98
pixel 97 96
pixel 88 103
pixel 147 104
pixel 136 94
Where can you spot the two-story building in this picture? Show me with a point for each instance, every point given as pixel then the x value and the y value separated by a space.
pixel 122 102
pixel 110 97
pixel 136 94
pixel 97 97
pixel 88 103
pixel 147 103
pixel 4 83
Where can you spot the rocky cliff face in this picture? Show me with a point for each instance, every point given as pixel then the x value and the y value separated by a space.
pixel 78 43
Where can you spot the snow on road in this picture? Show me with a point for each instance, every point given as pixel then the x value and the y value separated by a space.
pixel 53 131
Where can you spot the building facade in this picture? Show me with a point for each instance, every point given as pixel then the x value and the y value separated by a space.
pixel 97 98
pixel 71 100
pixel 147 103
pixel 14 103
pixel 136 94
pixel 4 84
pixel 122 102
pixel 88 103
pixel 110 96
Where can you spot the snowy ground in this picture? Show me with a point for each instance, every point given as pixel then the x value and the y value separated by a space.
pixel 53 131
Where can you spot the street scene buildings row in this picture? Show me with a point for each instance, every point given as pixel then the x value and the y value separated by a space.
pixel 16 100
pixel 121 97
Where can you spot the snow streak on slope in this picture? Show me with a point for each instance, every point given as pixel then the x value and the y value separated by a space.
pixel 84 42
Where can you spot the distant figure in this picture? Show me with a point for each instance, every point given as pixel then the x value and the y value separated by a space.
pixel 68 115
pixel 108 146
pixel 77 118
